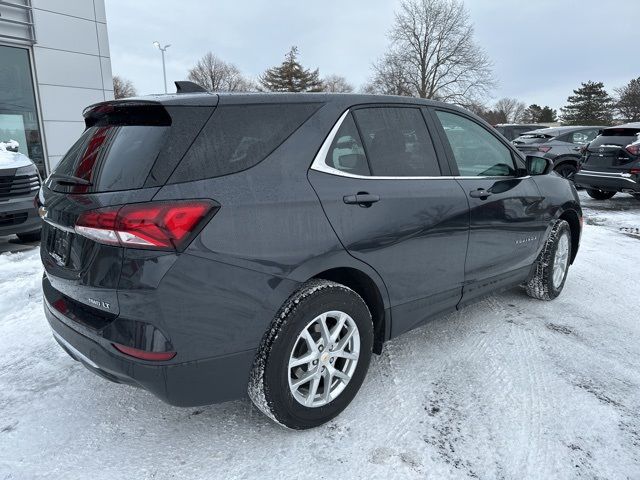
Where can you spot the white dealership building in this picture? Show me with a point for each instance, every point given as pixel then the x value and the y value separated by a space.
pixel 54 61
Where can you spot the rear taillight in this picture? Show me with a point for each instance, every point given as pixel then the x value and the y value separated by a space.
pixel 544 149
pixel 144 354
pixel 155 225
pixel 633 149
pixel 635 171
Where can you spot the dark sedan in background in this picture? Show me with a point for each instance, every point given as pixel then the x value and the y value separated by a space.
pixel 611 163
pixel 562 145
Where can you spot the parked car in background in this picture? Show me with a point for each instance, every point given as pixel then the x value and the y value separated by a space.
pixel 511 131
pixel 19 184
pixel 562 145
pixel 611 163
pixel 204 246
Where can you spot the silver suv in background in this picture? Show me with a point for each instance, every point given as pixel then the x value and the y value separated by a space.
pixel 511 131
pixel 563 145
pixel 19 184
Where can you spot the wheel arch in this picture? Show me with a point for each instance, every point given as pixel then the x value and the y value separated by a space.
pixel 341 267
pixel 565 159
pixel 573 219
pixel 366 287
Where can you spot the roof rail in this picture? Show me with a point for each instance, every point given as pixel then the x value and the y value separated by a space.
pixel 185 86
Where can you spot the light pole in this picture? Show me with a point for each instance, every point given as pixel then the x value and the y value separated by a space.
pixel 164 68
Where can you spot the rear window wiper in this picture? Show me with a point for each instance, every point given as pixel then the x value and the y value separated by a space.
pixel 69 180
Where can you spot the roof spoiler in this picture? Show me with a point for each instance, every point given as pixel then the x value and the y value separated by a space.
pixel 189 87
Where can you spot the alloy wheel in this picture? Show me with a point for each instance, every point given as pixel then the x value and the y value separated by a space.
pixel 323 359
pixel 561 260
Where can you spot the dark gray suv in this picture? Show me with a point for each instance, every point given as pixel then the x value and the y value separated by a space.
pixel 562 145
pixel 204 246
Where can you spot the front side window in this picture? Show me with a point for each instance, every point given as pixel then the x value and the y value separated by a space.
pixel 346 152
pixel 397 142
pixel 476 151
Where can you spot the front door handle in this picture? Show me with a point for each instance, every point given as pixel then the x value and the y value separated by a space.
pixel 480 193
pixel 363 199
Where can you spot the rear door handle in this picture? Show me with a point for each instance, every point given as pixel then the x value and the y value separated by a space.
pixel 362 198
pixel 480 193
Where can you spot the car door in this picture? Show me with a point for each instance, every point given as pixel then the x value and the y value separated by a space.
pixel 505 217
pixel 381 185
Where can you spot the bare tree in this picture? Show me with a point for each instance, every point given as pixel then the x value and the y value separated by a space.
pixel 123 88
pixel 336 84
pixel 216 75
pixel 390 77
pixel 433 54
pixel 510 109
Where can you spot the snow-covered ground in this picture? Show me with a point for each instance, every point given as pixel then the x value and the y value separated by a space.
pixel 508 388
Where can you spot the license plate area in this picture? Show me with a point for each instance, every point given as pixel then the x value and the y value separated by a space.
pixel 59 246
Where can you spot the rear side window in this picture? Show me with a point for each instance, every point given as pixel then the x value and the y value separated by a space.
pixel 238 137
pixel 397 142
pixel 113 157
pixel 582 137
pixel 346 152
pixel 476 152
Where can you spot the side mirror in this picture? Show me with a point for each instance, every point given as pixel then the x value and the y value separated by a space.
pixel 539 165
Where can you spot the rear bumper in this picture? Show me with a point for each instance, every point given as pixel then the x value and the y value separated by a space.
pixel 611 182
pixel 18 215
pixel 201 382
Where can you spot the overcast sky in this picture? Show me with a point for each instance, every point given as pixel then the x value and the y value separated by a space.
pixel 541 49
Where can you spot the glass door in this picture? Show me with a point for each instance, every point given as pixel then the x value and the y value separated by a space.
pixel 19 126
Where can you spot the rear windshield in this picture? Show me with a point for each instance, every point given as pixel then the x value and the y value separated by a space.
pixel 616 136
pixel 529 138
pixel 113 157
pixel 237 137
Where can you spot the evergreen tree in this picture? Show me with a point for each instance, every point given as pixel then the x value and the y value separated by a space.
pixel 532 113
pixel 628 102
pixel 537 114
pixel 290 76
pixel 589 105
pixel 548 115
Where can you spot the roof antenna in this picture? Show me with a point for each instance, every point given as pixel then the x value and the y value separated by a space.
pixel 185 86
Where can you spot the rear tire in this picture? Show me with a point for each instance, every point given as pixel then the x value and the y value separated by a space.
pixel 552 265
pixel 30 237
pixel 334 360
pixel 600 194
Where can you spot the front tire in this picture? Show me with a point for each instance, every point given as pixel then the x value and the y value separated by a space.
pixel 314 357
pixel 552 265
pixel 29 237
pixel 600 194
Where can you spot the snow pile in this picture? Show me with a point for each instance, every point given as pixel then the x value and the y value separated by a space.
pixel 511 387
pixel 10 146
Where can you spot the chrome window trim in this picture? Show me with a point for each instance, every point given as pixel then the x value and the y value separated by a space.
pixel 319 164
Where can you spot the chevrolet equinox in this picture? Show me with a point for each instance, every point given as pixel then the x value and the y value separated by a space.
pixel 205 246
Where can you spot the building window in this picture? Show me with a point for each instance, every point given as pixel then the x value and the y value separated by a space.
pixel 18 112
